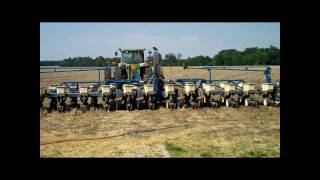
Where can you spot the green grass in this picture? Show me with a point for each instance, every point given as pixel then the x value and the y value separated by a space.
pixel 177 151
pixel 212 151
pixel 240 149
pixel 274 150
pixel 249 150
pixel 254 153
pixel 174 150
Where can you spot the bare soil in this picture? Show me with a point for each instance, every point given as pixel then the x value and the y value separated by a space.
pixel 225 132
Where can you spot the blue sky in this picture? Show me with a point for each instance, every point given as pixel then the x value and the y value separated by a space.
pixel 63 40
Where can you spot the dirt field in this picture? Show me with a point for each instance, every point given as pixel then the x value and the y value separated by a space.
pixel 225 132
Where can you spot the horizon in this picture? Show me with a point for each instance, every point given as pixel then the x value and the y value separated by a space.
pixel 145 57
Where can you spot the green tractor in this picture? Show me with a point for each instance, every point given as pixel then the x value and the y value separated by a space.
pixel 133 66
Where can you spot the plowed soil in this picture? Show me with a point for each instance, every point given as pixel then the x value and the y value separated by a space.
pixel 224 132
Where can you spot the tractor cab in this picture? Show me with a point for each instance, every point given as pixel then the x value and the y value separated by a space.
pixel 132 56
pixel 132 64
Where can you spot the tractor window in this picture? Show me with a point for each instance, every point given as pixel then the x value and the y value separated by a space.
pixel 132 57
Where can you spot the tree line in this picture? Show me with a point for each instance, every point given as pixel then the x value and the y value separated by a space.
pixel 99 61
pixel 230 57
pixel 49 63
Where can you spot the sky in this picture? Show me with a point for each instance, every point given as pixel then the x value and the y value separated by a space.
pixel 63 40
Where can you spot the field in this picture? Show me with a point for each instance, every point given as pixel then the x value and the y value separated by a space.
pixel 225 132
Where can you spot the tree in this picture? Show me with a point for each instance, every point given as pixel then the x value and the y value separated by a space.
pixel 229 57
pixel 169 60
pixel 179 56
